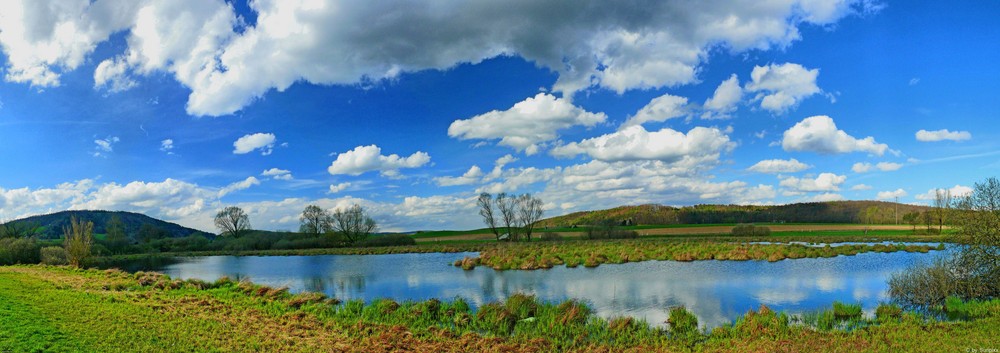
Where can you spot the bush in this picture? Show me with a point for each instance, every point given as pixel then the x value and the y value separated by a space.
pixel 747 230
pixel 386 240
pixel 18 251
pixel 924 285
pixel 54 255
pixel 974 272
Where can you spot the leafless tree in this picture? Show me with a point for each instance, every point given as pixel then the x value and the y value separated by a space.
pixel 507 204
pixel 486 210
pixel 942 206
pixel 232 221
pixel 353 223
pixel 315 220
pixel 529 212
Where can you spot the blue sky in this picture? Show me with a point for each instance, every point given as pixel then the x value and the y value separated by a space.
pixel 179 108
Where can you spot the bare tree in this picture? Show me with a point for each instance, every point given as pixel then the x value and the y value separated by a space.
pixel 79 237
pixel 315 220
pixel 942 206
pixel 486 210
pixel 529 212
pixel 507 204
pixel 353 223
pixel 232 221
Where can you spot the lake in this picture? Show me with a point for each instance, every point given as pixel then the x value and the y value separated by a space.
pixel 716 291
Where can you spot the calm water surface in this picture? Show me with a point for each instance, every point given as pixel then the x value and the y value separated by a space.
pixel 715 291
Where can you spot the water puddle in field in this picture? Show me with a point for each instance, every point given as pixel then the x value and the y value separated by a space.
pixel 716 291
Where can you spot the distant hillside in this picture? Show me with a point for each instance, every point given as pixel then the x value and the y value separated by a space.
pixel 813 212
pixel 52 224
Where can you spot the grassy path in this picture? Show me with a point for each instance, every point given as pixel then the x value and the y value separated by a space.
pixel 60 309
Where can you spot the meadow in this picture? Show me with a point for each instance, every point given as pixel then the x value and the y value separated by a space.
pixel 44 308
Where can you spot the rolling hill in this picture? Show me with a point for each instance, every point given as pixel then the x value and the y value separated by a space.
pixel 812 212
pixel 52 224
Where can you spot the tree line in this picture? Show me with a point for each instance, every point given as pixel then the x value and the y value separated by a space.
pixel 21 242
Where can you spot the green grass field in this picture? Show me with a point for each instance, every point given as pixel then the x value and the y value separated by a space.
pixel 60 309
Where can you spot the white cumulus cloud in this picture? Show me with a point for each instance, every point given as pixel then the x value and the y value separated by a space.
pixel 104 146
pixel 526 124
pixel 889 195
pixel 723 102
pixel 659 109
pixel 956 191
pixel 864 167
pixel 278 174
pixel 823 182
pixel 335 188
pixel 666 145
pixel 941 135
pixel 780 87
pixel 824 197
pixel 167 146
pixel 776 166
pixel 819 134
pixel 239 185
pixel 228 63
pixel 472 176
pixel 250 142
pixel 369 158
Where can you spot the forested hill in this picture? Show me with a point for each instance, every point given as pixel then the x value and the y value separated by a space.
pixel 812 212
pixel 52 224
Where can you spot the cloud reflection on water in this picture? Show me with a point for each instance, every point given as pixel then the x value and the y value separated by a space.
pixel 715 291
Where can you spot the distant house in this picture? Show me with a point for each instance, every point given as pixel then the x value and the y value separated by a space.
pixel 504 236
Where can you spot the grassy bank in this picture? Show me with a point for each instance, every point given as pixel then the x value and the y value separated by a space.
pixel 61 309
pixel 537 255
pixel 592 254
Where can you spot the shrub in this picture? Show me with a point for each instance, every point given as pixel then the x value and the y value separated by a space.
pixel 924 285
pixel 79 237
pixel 18 251
pixel 747 230
pixel 54 255
pixel 386 240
